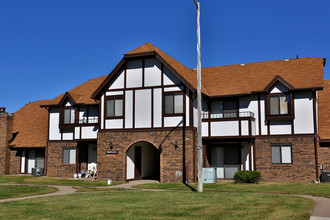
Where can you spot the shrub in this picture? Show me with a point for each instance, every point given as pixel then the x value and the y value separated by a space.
pixel 247 176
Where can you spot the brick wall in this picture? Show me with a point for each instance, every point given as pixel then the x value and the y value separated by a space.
pixel 302 168
pixel 6 130
pixel 55 167
pixel 114 165
pixel 324 156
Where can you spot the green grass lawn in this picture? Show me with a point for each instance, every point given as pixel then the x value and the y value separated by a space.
pixel 322 189
pixel 159 205
pixel 54 181
pixel 20 191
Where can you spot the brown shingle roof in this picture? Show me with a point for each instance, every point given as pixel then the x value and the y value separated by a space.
pixel 239 79
pixel 324 111
pixel 31 123
pixel 188 74
pixel 82 93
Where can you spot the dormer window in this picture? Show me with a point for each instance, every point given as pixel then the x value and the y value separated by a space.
pixel 279 100
pixel 279 104
pixel 69 115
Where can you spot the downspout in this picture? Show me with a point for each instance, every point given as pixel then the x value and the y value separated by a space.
pixel 315 136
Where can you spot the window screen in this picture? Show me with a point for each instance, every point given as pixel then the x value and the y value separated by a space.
pixel 69 155
pixel 115 107
pixel 281 154
pixel 174 103
pixel 67 114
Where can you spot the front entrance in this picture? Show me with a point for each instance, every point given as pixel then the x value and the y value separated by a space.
pixel 142 161
pixel 32 158
pixel 226 158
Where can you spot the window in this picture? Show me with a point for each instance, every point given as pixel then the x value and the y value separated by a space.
pixel 279 104
pixel 174 103
pixel 68 115
pixel 281 154
pixel 114 106
pixel 224 109
pixel 69 155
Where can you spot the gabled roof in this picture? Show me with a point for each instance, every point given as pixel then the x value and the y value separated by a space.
pixel 186 75
pixel 276 80
pixel 324 111
pixel 246 78
pixel 80 94
pixel 31 123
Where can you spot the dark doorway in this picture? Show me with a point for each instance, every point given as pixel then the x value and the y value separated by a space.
pixel 138 160
pixel 142 162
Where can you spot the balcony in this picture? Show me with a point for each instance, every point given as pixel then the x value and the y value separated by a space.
pixel 231 114
pixel 230 124
pixel 90 121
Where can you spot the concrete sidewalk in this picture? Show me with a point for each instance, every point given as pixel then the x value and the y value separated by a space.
pixel 321 210
pixel 62 190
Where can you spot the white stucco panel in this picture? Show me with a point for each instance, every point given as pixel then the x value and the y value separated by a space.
pixel 224 128
pixel 77 132
pixel 169 78
pixel 102 112
pixel 245 127
pixel 280 127
pixel 54 119
pixel 129 109
pixel 205 129
pixel 118 83
pixel 67 134
pixel 173 121
pixel 152 72
pixel 89 132
pixel 113 123
pixel 134 73
pixel 114 93
pixel 157 107
pixel 263 115
pixel 143 108
pixel 279 88
pixel 303 110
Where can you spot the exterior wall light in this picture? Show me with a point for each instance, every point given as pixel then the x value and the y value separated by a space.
pixel 176 145
pixel 111 146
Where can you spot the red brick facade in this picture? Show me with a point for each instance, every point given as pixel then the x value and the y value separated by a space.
pixel 302 169
pixel 171 160
pixel 324 156
pixel 6 130
pixel 55 166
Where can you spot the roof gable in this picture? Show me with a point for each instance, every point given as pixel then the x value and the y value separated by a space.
pixel 275 81
pixel 183 73
pixel 80 94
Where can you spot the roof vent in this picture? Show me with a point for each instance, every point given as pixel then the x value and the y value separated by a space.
pixel 286 60
pixel 242 64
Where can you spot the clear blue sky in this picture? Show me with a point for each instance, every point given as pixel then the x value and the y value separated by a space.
pixel 49 47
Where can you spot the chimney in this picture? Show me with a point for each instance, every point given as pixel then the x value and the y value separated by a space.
pixel 6 132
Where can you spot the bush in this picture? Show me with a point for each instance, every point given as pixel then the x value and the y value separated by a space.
pixel 247 176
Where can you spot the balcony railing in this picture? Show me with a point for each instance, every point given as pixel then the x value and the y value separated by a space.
pixel 205 115
pixel 90 120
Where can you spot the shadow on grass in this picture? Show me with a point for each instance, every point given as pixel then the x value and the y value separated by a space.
pixel 190 187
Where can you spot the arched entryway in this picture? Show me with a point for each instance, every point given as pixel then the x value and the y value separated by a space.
pixel 142 161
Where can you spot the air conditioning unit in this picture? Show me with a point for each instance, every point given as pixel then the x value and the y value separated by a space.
pixel 326 176
pixel 37 171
